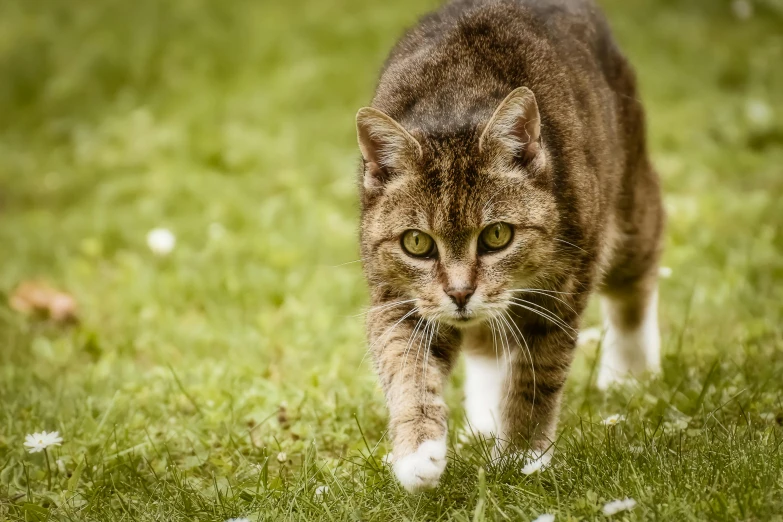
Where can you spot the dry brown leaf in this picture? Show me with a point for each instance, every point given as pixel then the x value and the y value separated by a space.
pixel 39 298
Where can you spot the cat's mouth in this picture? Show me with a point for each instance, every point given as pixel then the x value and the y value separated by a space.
pixel 464 317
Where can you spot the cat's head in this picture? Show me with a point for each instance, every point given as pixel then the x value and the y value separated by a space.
pixel 457 220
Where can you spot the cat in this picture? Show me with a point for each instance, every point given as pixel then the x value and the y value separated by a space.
pixel 504 178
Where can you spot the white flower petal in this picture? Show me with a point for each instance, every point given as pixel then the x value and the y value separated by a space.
pixel 546 517
pixel 36 442
pixel 320 491
pixel 616 506
pixel 613 419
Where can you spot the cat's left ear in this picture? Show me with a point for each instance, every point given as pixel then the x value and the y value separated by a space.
pixel 515 125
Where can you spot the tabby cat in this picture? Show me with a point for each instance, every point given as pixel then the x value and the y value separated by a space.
pixel 505 178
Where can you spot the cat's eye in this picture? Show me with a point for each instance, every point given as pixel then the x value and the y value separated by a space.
pixel 417 243
pixel 496 236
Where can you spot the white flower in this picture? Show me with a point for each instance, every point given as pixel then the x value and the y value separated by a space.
pixel 536 462
pixel 611 420
pixel 238 520
pixel 546 517
pixel 40 441
pixel 615 506
pixel 161 241
pixel 320 491
pixel 664 272
pixel 282 457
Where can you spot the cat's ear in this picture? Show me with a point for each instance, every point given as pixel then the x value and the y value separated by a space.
pixel 385 146
pixel 515 125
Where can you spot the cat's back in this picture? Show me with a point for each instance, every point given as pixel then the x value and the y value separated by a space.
pixel 461 60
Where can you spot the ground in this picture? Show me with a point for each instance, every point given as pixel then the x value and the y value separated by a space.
pixel 228 379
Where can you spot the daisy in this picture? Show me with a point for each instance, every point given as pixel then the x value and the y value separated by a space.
pixel 612 420
pixel 40 441
pixel 615 506
pixel 161 241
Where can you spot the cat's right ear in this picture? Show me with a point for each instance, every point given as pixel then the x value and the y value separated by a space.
pixel 385 145
pixel 515 125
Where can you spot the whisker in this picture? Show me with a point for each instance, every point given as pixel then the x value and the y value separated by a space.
pixel 384 307
pixel 507 352
pixel 427 360
pixel 540 290
pixel 573 245
pixel 346 263
pixel 494 344
pixel 529 355
pixel 410 344
pixel 421 340
pixel 551 296
pixel 551 315
pixel 387 332
pixel 533 310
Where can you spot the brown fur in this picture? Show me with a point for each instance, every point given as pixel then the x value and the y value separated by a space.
pixel 447 151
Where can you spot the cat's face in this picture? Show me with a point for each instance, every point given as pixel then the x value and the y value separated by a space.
pixel 456 224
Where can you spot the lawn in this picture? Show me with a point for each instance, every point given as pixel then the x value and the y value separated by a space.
pixel 229 379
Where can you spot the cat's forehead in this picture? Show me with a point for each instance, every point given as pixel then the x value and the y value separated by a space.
pixel 449 196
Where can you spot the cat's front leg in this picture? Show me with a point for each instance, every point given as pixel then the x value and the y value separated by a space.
pixel 538 371
pixel 413 358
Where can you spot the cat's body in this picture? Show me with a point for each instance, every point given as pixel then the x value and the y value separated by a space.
pixel 505 177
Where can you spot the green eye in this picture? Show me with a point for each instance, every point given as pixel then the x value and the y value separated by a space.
pixel 417 243
pixel 496 236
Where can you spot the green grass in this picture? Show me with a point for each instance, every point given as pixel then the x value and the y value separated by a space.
pixel 231 123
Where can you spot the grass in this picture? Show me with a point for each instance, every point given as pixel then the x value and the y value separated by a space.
pixel 231 123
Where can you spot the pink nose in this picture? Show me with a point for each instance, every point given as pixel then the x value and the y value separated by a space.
pixel 460 296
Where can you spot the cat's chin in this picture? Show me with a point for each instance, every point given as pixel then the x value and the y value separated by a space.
pixel 463 320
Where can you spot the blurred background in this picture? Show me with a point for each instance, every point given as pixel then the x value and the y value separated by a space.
pixel 234 335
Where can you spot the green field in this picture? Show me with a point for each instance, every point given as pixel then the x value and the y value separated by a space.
pixel 232 124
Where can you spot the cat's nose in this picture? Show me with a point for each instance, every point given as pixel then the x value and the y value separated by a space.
pixel 460 296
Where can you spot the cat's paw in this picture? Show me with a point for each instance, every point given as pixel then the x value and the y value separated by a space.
pixel 422 469
pixel 528 462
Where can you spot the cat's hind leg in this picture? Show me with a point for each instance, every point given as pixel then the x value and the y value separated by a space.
pixel 632 344
pixel 629 286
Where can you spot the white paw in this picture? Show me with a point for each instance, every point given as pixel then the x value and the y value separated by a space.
pixel 423 468
pixel 529 461
pixel 627 354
